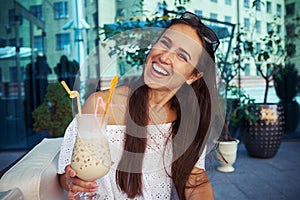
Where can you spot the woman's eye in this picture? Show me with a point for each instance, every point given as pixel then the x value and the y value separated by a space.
pixel 182 56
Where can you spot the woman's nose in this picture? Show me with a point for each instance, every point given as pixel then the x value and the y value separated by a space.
pixel 166 57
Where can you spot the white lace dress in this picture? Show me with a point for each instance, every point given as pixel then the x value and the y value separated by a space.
pixel 156 182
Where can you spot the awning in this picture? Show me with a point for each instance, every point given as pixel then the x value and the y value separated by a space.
pixel 10 51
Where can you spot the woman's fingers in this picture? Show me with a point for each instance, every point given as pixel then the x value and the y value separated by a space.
pixel 76 184
pixel 69 171
pixel 79 183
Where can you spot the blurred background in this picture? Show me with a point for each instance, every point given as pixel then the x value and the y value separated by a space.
pixel 45 41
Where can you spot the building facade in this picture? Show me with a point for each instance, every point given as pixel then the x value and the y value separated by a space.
pixel 74 28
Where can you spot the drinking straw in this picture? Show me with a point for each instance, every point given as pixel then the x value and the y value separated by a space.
pixel 73 94
pixel 113 84
pixel 99 102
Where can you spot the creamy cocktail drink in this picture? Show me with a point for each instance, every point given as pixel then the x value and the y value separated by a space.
pixel 91 158
pixel 91 155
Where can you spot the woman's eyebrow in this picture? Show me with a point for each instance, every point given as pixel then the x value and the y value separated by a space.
pixel 167 38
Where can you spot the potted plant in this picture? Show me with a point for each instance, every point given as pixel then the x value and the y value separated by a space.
pixel 227 145
pixel 55 113
pixel 262 136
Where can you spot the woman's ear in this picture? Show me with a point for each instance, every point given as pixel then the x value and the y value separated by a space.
pixel 194 77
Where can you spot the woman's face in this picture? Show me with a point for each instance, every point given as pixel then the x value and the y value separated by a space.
pixel 172 60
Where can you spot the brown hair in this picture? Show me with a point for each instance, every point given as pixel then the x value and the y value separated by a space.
pixel 199 109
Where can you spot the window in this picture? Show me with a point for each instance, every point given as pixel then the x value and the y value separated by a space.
pixel 258 26
pixel 258 5
pixel 290 29
pixel 213 16
pixel 61 10
pixel 247 24
pixel 247 69
pixel 269 27
pixel 278 10
pixel 257 71
pixel 290 9
pixel 2 42
pixel 278 29
pixel 13 75
pixel 12 17
pixel 279 50
pixel 228 19
pixel 269 7
pixel 121 14
pixel 37 11
pixel 12 42
pixel 62 40
pixel 38 43
pixel 228 2
pixel 247 47
pixel 199 12
pixel 246 4
pixel 257 47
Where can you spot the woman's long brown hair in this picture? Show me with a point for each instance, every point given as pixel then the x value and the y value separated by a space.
pixel 199 109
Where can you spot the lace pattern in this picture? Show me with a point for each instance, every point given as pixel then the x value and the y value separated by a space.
pixel 156 182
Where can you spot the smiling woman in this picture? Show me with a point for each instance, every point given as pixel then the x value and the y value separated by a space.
pixel 166 123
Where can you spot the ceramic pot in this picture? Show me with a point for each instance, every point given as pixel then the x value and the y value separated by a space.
pixel 226 155
pixel 262 139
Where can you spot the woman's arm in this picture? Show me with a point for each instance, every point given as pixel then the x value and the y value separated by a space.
pixel 203 190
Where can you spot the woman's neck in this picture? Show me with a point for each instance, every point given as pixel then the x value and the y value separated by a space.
pixel 160 98
pixel 160 107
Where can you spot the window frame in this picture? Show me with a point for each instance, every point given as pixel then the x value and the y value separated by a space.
pixel 37 10
pixel 61 41
pixel 269 7
pixel 61 10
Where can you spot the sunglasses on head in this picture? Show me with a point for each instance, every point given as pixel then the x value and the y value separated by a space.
pixel 207 33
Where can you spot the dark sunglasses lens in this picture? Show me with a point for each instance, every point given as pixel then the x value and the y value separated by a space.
pixel 209 34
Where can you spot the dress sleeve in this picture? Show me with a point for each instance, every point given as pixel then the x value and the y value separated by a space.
pixel 201 162
pixel 67 146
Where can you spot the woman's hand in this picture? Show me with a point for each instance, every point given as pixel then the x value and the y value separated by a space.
pixel 76 185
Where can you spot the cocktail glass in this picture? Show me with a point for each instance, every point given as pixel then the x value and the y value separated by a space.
pixel 91 155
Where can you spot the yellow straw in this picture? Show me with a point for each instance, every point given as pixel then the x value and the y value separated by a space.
pixel 113 84
pixel 72 94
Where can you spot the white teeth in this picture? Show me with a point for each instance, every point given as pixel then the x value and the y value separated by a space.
pixel 160 70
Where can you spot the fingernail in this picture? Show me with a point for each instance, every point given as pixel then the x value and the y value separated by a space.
pixel 72 173
pixel 95 185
